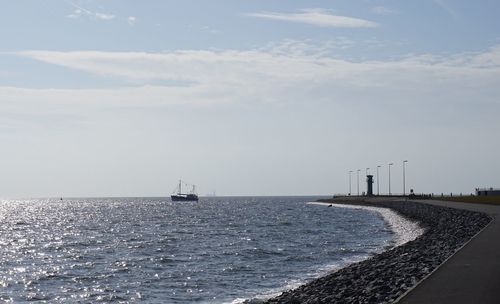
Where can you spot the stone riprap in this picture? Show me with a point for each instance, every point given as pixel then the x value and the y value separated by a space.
pixel 388 275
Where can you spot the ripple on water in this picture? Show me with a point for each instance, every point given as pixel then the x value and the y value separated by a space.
pixel 143 249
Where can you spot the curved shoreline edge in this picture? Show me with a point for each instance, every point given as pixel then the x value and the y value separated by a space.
pixel 388 276
pixel 404 230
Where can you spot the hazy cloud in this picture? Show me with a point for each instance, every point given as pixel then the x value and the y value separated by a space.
pixel 75 15
pixel 273 75
pixel 447 7
pixel 204 29
pixel 293 47
pixel 382 10
pixel 104 16
pixel 433 110
pixel 317 17
pixel 131 20
pixel 83 12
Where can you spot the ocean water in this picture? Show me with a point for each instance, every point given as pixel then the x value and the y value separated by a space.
pixel 151 250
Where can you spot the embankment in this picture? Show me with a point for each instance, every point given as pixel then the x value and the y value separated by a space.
pixel 387 276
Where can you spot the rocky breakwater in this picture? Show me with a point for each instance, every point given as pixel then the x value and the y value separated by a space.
pixel 388 275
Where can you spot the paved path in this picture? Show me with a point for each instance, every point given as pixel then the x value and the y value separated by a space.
pixel 472 275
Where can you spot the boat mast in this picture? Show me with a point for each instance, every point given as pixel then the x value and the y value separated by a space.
pixel 180 183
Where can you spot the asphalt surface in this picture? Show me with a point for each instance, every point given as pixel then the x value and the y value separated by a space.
pixel 472 275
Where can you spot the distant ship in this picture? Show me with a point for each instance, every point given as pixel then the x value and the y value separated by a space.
pixel 178 196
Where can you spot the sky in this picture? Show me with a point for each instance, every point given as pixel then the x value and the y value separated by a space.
pixel 261 97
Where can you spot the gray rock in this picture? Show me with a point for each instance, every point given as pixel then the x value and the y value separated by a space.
pixel 386 276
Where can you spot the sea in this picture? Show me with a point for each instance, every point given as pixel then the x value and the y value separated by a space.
pixel 153 250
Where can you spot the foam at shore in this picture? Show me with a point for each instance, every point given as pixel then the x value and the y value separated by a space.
pixel 405 230
pixel 387 276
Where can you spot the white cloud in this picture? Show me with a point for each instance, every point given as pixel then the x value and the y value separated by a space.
pixel 275 76
pixel 317 17
pixel 131 20
pixel 75 15
pixel 286 102
pixel 81 12
pixel 103 16
pixel 293 47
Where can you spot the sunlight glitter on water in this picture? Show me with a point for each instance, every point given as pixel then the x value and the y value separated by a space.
pixel 153 250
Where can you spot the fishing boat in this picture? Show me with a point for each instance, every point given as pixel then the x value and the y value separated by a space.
pixel 178 196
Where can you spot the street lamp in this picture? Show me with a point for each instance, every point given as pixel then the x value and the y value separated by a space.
pixel 390 164
pixel 350 183
pixel 357 172
pixel 404 185
pixel 378 189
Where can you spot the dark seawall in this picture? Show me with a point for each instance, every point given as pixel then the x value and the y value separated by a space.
pixel 387 276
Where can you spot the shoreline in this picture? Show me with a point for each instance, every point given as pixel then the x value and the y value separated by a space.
pixel 404 230
pixel 388 276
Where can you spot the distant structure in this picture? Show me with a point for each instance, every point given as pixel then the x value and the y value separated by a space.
pixel 487 192
pixel 369 185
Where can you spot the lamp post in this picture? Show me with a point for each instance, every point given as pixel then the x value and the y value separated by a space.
pixel 358 179
pixel 390 164
pixel 404 181
pixel 350 183
pixel 378 188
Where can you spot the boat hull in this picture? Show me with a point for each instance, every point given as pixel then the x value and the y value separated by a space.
pixel 184 198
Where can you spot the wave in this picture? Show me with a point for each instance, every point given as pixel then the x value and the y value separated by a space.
pixel 265 295
pixel 404 230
